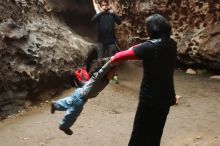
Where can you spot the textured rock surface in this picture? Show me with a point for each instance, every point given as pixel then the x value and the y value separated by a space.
pixel 196 27
pixel 37 51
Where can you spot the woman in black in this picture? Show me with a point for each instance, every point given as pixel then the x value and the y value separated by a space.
pixel 157 92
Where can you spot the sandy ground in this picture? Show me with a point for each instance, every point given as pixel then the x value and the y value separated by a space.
pixel 107 119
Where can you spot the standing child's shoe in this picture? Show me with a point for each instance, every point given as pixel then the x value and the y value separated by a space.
pixel 177 99
pixel 115 79
pixel 67 131
pixel 52 107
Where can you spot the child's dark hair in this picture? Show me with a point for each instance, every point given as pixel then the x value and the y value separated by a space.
pixel 100 1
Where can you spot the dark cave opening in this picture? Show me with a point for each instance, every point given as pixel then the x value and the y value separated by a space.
pixel 80 24
pixel 77 14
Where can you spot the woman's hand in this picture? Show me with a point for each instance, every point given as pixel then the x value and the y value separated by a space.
pixel 112 59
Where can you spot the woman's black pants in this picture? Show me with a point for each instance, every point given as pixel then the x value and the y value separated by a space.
pixel 148 125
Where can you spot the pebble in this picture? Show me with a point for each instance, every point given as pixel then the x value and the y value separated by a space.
pixel 26 138
pixel 215 77
pixel 190 71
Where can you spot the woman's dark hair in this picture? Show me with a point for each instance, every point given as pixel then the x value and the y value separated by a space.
pixel 158 26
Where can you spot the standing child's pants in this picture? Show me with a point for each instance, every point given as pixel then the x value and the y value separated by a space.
pixel 105 50
pixel 73 106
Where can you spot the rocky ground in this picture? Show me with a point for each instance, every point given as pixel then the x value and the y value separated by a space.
pixel 107 119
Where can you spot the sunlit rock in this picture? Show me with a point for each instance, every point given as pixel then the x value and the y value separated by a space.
pixel 215 77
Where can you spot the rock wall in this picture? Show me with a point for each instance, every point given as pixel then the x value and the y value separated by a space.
pixel 38 53
pixel 196 28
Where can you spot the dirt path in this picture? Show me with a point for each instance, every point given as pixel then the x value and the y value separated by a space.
pixel 107 119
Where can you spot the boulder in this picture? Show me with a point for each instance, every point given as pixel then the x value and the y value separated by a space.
pixel 215 77
pixel 38 53
pixel 195 28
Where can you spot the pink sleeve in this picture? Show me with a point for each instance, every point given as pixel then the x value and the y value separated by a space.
pixel 125 55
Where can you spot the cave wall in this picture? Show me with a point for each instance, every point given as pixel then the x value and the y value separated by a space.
pixel 77 15
pixel 38 52
pixel 196 27
pixel 82 7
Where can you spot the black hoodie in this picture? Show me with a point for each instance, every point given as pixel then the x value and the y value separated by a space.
pixel 106 26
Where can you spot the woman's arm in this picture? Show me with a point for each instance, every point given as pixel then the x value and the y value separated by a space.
pixel 125 55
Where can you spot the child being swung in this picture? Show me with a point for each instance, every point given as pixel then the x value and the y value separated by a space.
pixel 73 104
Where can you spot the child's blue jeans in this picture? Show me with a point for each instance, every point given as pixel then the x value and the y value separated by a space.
pixel 73 106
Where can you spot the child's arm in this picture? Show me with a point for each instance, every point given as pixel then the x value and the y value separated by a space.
pixel 95 78
pixel 96 17
pixel 102 71
pixel 96 6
